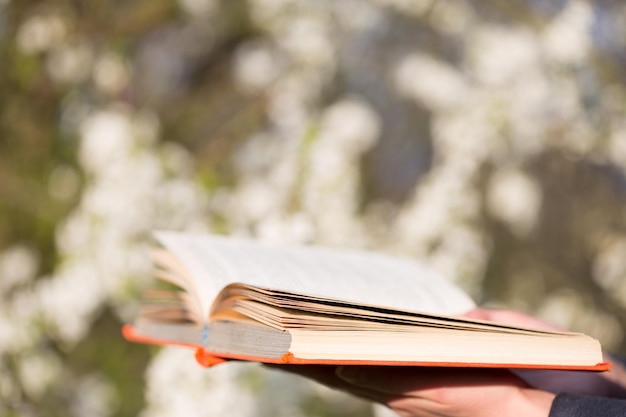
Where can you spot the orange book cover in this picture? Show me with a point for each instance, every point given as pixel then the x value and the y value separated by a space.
pixel 208 359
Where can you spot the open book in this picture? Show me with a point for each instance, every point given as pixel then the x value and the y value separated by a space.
pixel 245 300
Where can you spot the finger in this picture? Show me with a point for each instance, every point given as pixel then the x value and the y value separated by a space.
pixel 409 381
pixel 572 382
pixel 510 317
pixel 326 375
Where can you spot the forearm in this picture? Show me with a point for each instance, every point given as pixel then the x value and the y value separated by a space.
pixel 570 405
pixel 535 402
pixel 616 377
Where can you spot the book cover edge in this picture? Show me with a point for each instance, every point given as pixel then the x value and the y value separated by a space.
pixel 207 359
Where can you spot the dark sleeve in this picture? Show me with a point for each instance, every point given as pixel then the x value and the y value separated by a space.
pixel 568 405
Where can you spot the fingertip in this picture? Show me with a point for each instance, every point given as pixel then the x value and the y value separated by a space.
pixel 478 313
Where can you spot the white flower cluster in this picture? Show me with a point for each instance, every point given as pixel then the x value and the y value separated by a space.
pixel 128 192
pixel 178 386
pixel 70 60
pixel 40 33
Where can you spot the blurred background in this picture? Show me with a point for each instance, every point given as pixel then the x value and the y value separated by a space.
pixel 485 138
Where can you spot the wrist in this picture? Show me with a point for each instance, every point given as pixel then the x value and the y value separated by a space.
pixel 532 403
pixel 616 378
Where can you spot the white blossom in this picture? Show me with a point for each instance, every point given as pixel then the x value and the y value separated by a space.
pixel 18 322
pixel 609 269
pixel 269 13
pixel 308 40
pixel 514 198
pixel 18 265
pixel 256 66
pixel 111 73
pixel 256 198
pixel 69 300
pixel 38 371
pixel 260 152
pixel 350 125
pixel 383 411
pixel 106 137
pixel 499 55
pixel 465 137
pixel 71 61
pixel 199 8
pixel 39 33
pixel 93 396
pixel 430 82
pixel 533 105
pixel 288 104
pixel 451 16
pixel 356 15
pixel 567 39
pixel 330 192
pixel 198 392
pixel 297 228
pixel 411 7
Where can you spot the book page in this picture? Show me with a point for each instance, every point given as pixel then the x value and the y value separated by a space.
pixel 289 308
pixel 439 345
pixel 354 276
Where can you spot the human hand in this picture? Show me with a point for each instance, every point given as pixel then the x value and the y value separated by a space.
pixel 459 392
pixel 605 384
pixel 429 392
pixel 442 392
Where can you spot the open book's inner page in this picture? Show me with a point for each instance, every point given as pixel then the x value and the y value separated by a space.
pixel 214 262
pixel 283 310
